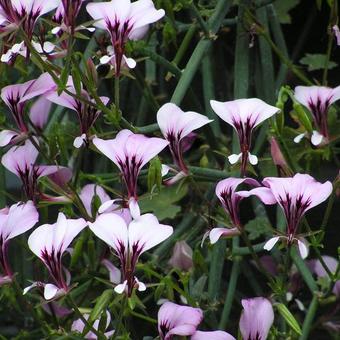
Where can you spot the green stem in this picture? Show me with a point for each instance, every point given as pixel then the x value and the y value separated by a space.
pixel 117 80
pixel 284 59
pixel 235 271
pixel 308 322
pixel 216 268
pixel 328 211
pixel 200 20
pixel 74 306
pixel 304 271
pixel 144 317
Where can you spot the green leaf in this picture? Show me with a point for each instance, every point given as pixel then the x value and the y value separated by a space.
pixel 283 8
pixel 100 306
pixel 257 227
pixel 303 117
pixel 162 203
pixel 317 62
pixel 155 174
pixel 288 316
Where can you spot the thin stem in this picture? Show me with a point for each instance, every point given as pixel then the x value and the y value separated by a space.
pixel 117 79
pixel 74 306
pixel 120 318
pixel 235 271
pixel 308 322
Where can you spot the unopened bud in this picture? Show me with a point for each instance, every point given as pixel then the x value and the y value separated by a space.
pixel 181 256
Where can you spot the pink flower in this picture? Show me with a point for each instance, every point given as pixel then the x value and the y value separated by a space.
pixel 14 221
pixel 89 192
pixel 175 126
pixel 244 115
pixel 319 270
pixel 230 199
pixel 179 320
pixel 87 114
pixel 20 160
pixel 124 20
pixel 181 256
pixel 24 13
pixel 336 32
pixel 66 15
pixel 16 96
pixel 49 242
pixel 214 335
pixel 317 99
pixel 129 242
pixel 256 319
pixel 78 326
pixel 296 195
pixel 130 152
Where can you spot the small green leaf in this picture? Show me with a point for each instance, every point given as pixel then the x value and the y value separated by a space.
pixel 317 62
pixel 283 8
pixel 288 316
pixel 303 117
pixel 155 174
pixel 257 227
pixel 162 203
pixel 100 306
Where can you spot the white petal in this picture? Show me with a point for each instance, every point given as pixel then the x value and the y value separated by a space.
pixel 141 285
pixel 252 159
pixel 300 305
pixel 299 137
pixel 289 296
pixel 316 138
pixel 17 47
pixel 303 249
pixel 234 158
pixel 105 59
pixel 271 243
pixel 6 57
pixel 56 30
pixel 50 291
pixel 79 141
pixel 121 287
pixel 105 206
pixel 134 209
pixel 165 170
pixel 131 63
pixel 27 289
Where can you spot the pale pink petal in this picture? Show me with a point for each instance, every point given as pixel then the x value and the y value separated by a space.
pixel 171 119
pixel 134 208
pixel 178 320
pixel 115 274
pixel 40 111
pixel 6 137
pixel 20 158
pixel 111 229
pixel 20 218
pixel 256 319
pixel 264 194
pixel 216 233
pixel 147 232
pixel 214 335
pixel 88 193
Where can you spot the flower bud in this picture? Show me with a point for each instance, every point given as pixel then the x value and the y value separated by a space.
pixel 181 256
